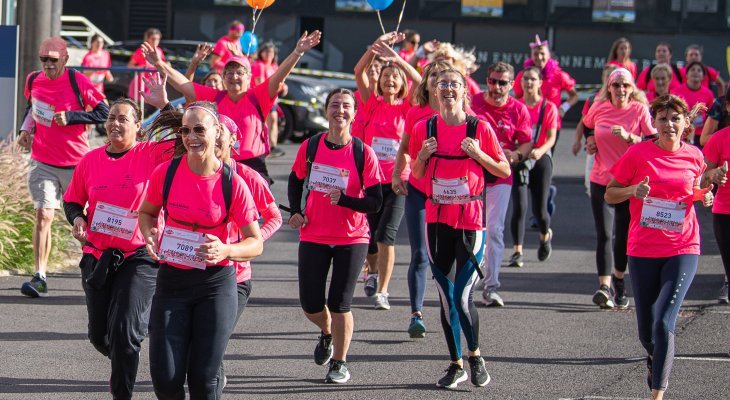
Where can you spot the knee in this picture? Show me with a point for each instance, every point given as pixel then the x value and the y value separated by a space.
pixel 99 341
pixel 126 337
pixel 44 216
pixel 495 230
pixel 661 329
pixel 338 306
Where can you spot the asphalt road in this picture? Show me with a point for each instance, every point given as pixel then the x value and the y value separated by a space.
pixel 549 342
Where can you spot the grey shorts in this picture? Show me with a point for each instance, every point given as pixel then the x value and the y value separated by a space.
pixel 47 184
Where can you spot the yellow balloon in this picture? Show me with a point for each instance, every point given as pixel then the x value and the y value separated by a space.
pixel 260 4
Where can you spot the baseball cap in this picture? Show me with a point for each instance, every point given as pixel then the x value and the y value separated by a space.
pixel 53 47
pixel 243 61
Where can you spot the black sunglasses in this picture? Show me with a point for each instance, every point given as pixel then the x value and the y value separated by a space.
pixel 499 82
pixel 51 59
pixel 198 129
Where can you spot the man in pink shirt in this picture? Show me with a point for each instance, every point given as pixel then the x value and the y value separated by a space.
pixel 662 55
pixel 227 46
pixel 54 129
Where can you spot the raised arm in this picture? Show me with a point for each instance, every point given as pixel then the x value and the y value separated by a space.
pixel 361 69
pixel 201 53
pixel 386 53
pixel 174 77
pixel 305 42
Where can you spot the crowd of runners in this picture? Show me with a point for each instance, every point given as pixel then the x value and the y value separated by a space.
pixel 169 227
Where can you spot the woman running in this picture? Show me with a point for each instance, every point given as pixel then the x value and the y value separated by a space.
pixel 620 56
pixel 717 154
pixel 385 109
pixel 661 179
pixel 267 62
pixel 451 151
pixel 620 118
pixel 424 95
pixel 661 78
pixel 97 57
pixel 117 274
pixel 544 116
pixel 718 117
pixel 195 303
pixel 694 92
pixel 338 180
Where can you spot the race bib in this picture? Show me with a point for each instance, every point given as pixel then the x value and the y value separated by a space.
pixel 385 149
pixel 114 221
pixel 178 246
pixel 661 214
pixel 323 178
pixel 97 78
pixel 43 112
pixel 450 191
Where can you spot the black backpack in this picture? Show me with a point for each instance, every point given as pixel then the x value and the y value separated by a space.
pixel 71 78
pixel 227 186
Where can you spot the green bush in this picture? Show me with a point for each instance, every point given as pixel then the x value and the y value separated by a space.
pixel 17 217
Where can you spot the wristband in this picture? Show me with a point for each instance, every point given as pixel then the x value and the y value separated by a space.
pixel 421 53
pixel 565 107
pixel 298 53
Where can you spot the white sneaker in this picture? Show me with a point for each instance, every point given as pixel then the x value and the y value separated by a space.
pixel 381 301
pixel 491 298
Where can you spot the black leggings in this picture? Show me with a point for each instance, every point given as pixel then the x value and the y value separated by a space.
pixel 612 231
pixel 540 176
pixel 314 265
pixel 721 226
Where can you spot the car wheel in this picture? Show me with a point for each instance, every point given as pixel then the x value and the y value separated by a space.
pixel 286 123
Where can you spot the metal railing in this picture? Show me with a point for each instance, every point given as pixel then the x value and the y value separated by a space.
pixel 74 26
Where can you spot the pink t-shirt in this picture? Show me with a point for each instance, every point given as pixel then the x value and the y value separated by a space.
pixel 140 62
pixel 672 176
pixel 254 139
pixel 550 119
pixel 472 86
pixel 642 84
pixel 199 199
pixel 413 116
pixel 100 59
pixel 223 49
pixel 119 182
pixel 717 150
pixel 383 131
pixel 60 146
pixel 333 224
pixel 458 216
pixel 692 97
pixel 601 118
pixel 261 71
pixel 551 88
pixel 262 198
pixel 358 124
pixel 630 66
pixel 511 123
pixel 710 76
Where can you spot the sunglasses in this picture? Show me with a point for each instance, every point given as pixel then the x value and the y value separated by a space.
pixel 499 82
pixel 51 59
pixel 443 85
pixel 198 129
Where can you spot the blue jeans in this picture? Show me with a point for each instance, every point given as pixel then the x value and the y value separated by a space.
pixel 418 268
pixel 660 285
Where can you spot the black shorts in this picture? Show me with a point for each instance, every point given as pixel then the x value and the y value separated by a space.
pixel 384 224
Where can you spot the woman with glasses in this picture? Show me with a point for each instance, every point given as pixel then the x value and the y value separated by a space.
pixel 195 303
pixel 385 108
pixel 619 119
pixel 248 108
pixel 451 151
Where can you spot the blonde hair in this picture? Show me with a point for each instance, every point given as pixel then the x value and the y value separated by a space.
pixel 636 94
pixel 422 91
pixel 447 50
pixel 662 67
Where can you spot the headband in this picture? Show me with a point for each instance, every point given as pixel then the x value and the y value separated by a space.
pixel 538 42
pixel 236 27
pixel 620 72
pixel 194 107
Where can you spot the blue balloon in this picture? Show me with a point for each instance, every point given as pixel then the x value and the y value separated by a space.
pixel 249 43
pixel 380 4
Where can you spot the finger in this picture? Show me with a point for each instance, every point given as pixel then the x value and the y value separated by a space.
pixel 645 181
pixel 724 167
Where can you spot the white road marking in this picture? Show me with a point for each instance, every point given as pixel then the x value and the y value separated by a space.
pixel 718 359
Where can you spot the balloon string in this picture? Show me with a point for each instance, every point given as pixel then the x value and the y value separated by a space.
pixel 381 21
pixel 400 17
pixel 253 29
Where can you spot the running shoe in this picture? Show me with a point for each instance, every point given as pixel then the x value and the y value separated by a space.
pixel 417 329
pixel 276 152
pixel 36 287
pixel 479 375
pixel 604 297
pixel 723 297
pixel 371 285
pixel 381 301
pixel 533 222
pixel 619 299
pixel 323 351
pixel 491 298
pixel 338 372
pixel 546 247
pixel 516 260
pixel 455 374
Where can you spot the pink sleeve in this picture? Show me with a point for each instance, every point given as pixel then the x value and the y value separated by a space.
pixel 410 121
pixel 712 149
pixel 712 73
pixel 517 88
pixel 300 161
pixel 243 208
pixel 89 93
pixel 586 107
pixel 154 189
pixel 624 170
pixel 489 143
pixel 205 93
pixel 589 119
pixel 262 97
pixel 418 135
pixel 372 175
pixel 524 125
pixel 645 123
pixel 272 221
pixel 76 192
pixel 551 120
pixel 220 48
pixel 108 59
pixel 138 58
pixel 163 151
pixel 567 82
pixel 85 61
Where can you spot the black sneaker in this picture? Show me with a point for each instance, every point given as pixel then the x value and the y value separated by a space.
pixel 516 260
pixel 454 375
pixel 371 285
pixel 276 152
pixel 546 248
pixel 323 351
pixel 604 297
pixel 722 298
pixel 620 300
pixel 479 375
pixel 338 372
pixel 37 287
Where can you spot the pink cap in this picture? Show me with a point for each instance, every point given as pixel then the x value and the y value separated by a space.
pixel 243 61
pixel 230 124
pixel 53 47
pixel 237 27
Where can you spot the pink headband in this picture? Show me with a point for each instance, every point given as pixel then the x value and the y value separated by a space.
pixel 204 109
pixel 237 27
pixel 538 42
pixel 620 72
pixel 230 124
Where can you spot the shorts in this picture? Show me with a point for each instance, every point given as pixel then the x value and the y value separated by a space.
pixel 385 223
pixel 47 184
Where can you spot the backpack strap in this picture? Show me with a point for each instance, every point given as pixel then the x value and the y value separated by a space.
pixel 647 77
pixel 169 177
pixel 29 105
pixel 541 116
pixel 471 132
pixel 358 151
pixel 75 86
pixel 311 152
pixel 675 69
pixel 227 185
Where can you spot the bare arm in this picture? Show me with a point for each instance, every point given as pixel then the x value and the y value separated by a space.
pixel 201 53
pixel 361 69
pixel 148 227
pixel 720 85
pixel 175 78
pixel 305 42
pixel 401 160
pixel 250 247
pixel 538 152
pixel 618 193
pixel 708 129
pixel 386 53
